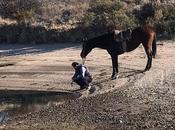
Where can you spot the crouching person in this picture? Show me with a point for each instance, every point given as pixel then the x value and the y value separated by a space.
pixel 82 76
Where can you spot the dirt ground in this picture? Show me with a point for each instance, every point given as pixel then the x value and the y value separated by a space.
pixel 136 100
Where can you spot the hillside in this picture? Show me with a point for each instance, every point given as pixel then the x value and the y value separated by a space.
pixel 68 20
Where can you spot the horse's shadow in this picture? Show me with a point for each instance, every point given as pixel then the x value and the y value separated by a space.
pixel 23 49
pixel 127 74
pixel 130 73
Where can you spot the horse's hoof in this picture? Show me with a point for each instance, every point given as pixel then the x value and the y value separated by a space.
pixel 114 77
pixel 155 56
pixel 146 69
pixel 117 76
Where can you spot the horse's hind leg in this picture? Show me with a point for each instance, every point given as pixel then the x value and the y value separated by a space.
pixel 114 66
pixel 148 51
pixel 149 62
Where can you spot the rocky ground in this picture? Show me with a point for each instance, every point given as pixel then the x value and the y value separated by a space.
pixel 137 100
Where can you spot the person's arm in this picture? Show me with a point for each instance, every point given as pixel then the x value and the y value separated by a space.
pixel 78 72
pixel 74 76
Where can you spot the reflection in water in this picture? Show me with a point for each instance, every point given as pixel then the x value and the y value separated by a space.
pixel 14 103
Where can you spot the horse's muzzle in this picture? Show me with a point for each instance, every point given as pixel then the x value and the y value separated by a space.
pixel 82 55
pixel 83 60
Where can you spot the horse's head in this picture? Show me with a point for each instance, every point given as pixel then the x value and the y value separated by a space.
pixel 86 48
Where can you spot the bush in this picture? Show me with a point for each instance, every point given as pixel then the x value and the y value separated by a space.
pixel 160 15
pixel 145 14
pixel 106 15
pixel 20 10
pixel 76 19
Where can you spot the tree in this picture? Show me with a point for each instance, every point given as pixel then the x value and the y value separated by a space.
pixel 107 13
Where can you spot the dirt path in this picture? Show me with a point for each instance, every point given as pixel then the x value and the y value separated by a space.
pixel 134 101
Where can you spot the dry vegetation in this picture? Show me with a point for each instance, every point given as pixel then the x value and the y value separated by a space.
pixel 70 20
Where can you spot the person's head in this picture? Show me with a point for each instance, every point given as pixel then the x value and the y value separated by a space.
pixel 75 64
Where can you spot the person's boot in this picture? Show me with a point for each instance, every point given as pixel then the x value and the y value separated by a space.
pixel 91 89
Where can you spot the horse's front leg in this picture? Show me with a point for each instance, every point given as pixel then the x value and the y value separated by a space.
pixel 115 67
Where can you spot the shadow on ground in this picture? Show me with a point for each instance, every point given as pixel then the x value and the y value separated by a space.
pixel 22 49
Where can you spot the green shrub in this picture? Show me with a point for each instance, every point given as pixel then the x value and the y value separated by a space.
pixel 160 15
pixel 145 14
pixel 107 13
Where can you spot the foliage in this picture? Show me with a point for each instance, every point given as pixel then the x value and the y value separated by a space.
pixel 76 17
pixel 20 10
pixel 160 15
pixel 107 13
pixel 145 14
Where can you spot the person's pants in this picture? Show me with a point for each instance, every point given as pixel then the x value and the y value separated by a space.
pixel 83 82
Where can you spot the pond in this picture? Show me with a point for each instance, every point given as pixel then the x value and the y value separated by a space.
pixel 18 102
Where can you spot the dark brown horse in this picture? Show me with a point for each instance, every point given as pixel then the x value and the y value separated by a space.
pixel 126 41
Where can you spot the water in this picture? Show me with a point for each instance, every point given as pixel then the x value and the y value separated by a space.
pixel 14 103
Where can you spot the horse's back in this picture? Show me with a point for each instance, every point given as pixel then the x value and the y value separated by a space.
pixel 147 30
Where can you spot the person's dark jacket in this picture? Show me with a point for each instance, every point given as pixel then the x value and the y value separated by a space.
pixel 81 72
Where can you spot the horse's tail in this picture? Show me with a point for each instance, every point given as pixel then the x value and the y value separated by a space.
pixel 154 47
